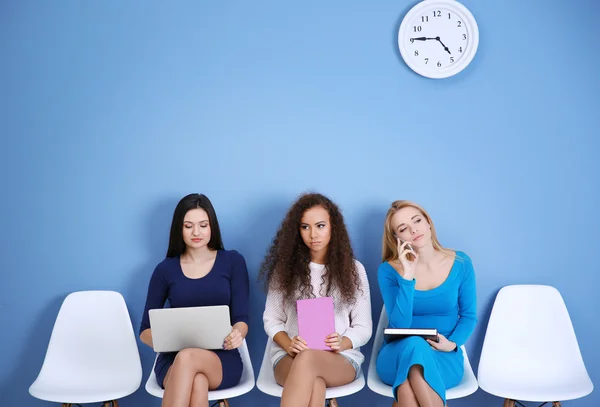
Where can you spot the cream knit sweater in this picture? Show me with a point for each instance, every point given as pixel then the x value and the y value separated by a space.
pixel 351 320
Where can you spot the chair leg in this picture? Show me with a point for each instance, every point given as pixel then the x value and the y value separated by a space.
pixel 556 404
pixel 332 403
pixel 509 403
pixel 223 403
pixel 112 403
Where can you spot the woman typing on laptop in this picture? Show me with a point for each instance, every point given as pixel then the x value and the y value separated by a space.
pixel 198 272
pixel 423 285
pixel 311 257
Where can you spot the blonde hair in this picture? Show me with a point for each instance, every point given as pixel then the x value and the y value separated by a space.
pixel 390 244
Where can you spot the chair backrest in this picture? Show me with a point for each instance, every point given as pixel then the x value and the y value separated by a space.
pixel 373 380
pixel 93 329
pixel 248 371
pixel 529 338
pixel 377 343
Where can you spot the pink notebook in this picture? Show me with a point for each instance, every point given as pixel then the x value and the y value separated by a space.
pixel 316 320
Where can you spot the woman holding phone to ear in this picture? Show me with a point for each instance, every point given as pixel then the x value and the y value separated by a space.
pixel 311 257
pixel 423 285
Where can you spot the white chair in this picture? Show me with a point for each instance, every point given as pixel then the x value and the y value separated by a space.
pixel 467 386
pixel 267 384
pixel 530 352
pixel 92 355
pixel 220 396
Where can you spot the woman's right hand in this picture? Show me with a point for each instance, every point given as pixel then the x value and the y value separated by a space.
pixel 408 266
pixel 296 346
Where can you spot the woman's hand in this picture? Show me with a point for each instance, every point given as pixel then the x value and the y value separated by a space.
pixel 296 346
pixel 234 340
pixel 444 345
pixel 334 341
pixel 408 266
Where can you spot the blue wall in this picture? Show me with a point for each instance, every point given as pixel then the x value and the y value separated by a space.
pixel 111 112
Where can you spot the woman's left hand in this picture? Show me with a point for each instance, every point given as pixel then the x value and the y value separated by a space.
pixel 334 341
pixel 233 341
pixel 444 345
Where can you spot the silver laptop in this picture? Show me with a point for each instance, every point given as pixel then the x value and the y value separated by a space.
pixel 174 329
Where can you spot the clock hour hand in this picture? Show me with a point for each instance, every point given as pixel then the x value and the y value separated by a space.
pixel 423 38
pixel 445 47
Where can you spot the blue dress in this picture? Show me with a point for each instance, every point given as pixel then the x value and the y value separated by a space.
pixel 450 307
pixel 225 284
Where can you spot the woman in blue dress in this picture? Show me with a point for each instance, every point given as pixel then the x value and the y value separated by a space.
pixel 423 285
pixel 198 271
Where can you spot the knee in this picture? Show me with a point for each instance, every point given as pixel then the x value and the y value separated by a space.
pixel 405 393
pixel 185 358
pixel 305 360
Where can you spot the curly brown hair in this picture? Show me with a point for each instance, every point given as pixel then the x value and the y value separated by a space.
pixel 286 265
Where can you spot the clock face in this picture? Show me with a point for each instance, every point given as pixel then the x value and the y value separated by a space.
pixel 438 39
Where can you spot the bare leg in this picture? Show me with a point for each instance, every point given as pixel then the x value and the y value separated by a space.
pixel 199 391
pixel 406 396
pixel 306 367
pixel 180 381
pixel 283 369
pixel 317 397
pixel 426 396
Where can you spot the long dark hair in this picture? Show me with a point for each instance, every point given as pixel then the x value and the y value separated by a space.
pixel 286 265
pixel 188 202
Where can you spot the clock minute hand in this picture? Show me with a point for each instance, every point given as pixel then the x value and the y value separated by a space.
pixel 422 39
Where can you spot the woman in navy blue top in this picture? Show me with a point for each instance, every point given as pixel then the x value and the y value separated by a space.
pixel 198 271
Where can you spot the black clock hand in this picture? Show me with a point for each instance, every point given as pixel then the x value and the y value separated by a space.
pixel 445 47
pixel 423 38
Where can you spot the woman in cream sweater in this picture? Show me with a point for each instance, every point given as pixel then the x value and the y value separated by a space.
pixel 311 257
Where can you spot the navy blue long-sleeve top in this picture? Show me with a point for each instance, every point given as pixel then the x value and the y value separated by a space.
pixel 225 284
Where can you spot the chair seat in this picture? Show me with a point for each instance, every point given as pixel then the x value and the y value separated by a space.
pixel 244 386
pixel 569 388
pixel 83 392
pixel 267 384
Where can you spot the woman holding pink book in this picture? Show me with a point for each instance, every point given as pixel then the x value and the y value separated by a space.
pixel 311 257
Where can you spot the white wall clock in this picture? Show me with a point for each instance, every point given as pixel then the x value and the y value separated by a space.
pixel 438 38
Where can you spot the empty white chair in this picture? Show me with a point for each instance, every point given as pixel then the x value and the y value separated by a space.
pixel 221 396
pixel 467 386
pixel 530 352
pixel 92 355
pixel 267 384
